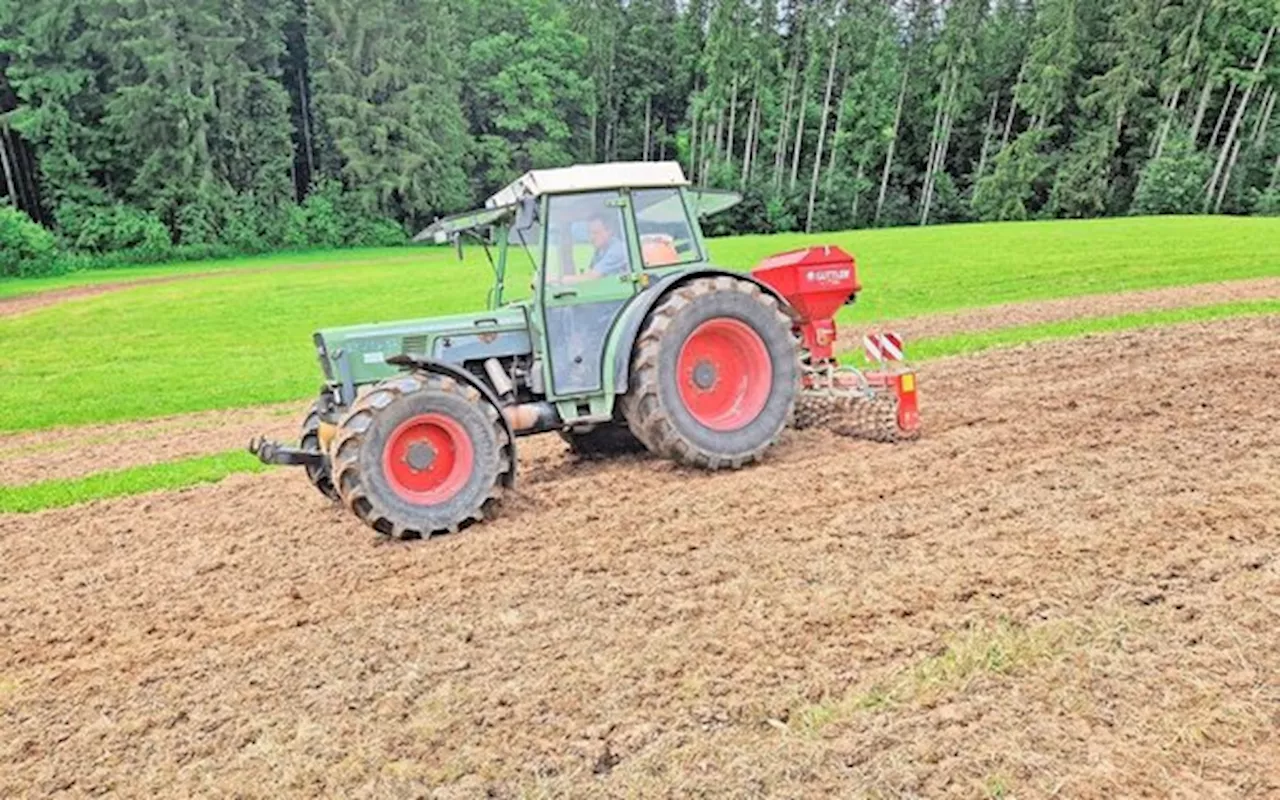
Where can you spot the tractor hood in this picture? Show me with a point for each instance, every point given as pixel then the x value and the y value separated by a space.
pixel 357 354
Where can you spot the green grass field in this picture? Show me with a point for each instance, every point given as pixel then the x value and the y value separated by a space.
pixel 134 480
pixel 242 337
pixel 17 287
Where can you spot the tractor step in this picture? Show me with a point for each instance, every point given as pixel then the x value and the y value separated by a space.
pixel 273 452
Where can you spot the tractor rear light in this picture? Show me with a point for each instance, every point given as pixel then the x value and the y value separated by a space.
pixel 908 401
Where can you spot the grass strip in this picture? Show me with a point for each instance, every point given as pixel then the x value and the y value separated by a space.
pixel 968 343
pixel 60 493
pixel 210 469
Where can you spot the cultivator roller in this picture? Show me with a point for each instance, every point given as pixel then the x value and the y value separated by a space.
pixel 880 403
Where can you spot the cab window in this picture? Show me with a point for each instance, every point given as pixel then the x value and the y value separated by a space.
pixel 586 238
pixel 666 237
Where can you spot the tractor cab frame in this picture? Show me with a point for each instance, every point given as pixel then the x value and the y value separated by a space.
pixel 569 341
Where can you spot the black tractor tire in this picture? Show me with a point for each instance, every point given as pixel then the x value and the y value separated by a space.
pixel 370 427
pixel 653 405
pixel 321 475
pixel 603 441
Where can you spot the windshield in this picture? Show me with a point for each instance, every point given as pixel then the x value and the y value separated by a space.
pixel 666 237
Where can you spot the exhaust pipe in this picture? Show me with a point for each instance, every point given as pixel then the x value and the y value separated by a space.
pixel 528 418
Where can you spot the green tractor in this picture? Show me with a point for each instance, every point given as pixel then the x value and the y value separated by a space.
pixel 631 339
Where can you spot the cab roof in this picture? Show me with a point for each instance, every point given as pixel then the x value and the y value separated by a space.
pixel 589 177
pixel 578 178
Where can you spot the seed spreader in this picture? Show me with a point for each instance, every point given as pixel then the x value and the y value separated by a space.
pixel 879 403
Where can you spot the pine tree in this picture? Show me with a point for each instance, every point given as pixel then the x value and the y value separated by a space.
pixel 386 76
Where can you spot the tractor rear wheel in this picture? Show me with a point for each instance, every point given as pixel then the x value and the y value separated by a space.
pixel 319 475
pixel 603 441
pixel 421 454
pixel 714 374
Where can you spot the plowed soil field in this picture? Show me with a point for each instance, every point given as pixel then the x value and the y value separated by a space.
pixel 1068 587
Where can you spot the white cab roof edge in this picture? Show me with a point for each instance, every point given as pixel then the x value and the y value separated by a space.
pixel 588 177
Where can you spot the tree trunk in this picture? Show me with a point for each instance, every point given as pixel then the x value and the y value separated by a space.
pixel 753 132
pixel 708 153
pixel 835 134
pixel 939 166
pixel 1157 147
pixel 1202 107
pixel 1222 116
pixel 780 148
pixel 893 146
pixel 857 194
pixel 693 141
pixel 1013 106
pixel 987 133
pixel 938 154
pixel 733 116
pixel 1263 122
pixel 717 140
pixel 1226 176
pixel 1230 148
pixel 595 130
pixel 934 135
pixel 648 122
pixel 795 153
pixel 8 168
pixel 822 132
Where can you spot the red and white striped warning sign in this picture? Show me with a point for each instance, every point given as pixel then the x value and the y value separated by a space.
pixel 885 346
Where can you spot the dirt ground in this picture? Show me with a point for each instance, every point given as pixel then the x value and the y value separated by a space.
pixel 83 450
pixel 1069 587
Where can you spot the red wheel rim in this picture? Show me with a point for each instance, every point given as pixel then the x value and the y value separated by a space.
pixel 724 373
pixel 428 459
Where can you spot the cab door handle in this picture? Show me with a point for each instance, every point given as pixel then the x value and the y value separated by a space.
pixel 563 293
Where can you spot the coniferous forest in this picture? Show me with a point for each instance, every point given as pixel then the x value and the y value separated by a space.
pixel 143 129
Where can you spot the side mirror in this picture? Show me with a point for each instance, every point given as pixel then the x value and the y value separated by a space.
pixel 526 214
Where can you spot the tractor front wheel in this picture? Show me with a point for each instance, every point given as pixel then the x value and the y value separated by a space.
pixel 421 454
pixel 318 474
pixel 714 374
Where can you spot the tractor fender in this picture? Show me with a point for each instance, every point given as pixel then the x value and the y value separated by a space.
pixel 408 362
pixel 627 329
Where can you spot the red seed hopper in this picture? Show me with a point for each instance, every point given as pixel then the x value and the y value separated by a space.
pixel 879 404
pixel 816 281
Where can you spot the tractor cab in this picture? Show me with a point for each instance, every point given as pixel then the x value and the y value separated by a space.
pixel 594 236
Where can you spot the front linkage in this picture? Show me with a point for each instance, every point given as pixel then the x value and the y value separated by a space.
pixel 273 452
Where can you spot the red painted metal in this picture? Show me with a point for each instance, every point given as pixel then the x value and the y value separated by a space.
pixel 724 374
pixel 445 454
pixel 903 386
pixel 815 281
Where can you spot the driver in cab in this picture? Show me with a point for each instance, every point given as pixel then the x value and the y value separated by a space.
pixel 609 256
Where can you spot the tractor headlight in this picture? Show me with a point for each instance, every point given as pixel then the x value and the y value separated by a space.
pixel 323 353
